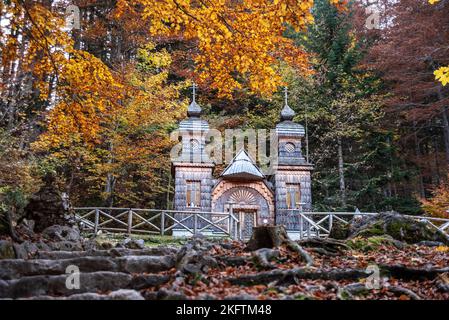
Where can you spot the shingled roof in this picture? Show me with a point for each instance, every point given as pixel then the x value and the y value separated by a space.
pixel 242 167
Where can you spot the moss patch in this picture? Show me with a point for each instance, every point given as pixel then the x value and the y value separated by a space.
pixel 369 244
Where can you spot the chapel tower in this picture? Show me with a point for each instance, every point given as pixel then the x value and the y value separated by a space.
pixel 292 182
pixel 193 168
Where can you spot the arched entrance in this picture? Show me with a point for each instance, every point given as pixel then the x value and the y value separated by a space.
pixel 252 203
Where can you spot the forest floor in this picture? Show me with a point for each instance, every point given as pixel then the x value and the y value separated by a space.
pixel 202 268
pixel 330 276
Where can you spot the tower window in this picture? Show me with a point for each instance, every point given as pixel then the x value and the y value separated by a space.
pixel 194 145
pixel 193 196
pixel 293 196
pixel 289 147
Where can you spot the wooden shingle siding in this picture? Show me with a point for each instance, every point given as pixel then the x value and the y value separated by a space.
pixel 292 175
pixel 243 183
pixel 193 172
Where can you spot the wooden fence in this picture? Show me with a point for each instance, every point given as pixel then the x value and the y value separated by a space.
pixel 169 222
pixel 319 224
pixel 157 222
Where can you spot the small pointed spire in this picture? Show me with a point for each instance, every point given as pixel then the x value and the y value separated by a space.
pixel 194 109
pixel 286 95
pixel 287 113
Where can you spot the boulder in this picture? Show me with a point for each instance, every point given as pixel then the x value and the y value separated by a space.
pixel 62 233
pixel 6 250
pixel 194 257
pixel 140 264
pixel 20 251
pixel 144 281
pixel 66 246
pixel 373 243
pixel 29 249
pixel 339 230
pixel 46 207
pixel 132 243
pixel 399 227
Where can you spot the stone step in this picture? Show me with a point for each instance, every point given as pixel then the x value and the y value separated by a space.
pixel 17 268
pixel 122 294
pixel 92 282
pixel 115 252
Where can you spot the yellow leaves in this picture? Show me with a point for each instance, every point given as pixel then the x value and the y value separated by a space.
pixel 442 75
pixel 433 1
pixel 86 90
pixel 239 43
pixel 442 249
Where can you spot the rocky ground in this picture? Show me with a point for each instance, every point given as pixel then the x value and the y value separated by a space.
pixel 225 269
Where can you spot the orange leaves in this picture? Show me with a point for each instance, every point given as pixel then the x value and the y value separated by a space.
pixel 442 249
pixel 239 43
pixel 88 94
pixel 439 203
pixel 83 89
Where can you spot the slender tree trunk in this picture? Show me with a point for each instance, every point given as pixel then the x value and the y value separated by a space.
pixel 341 173
pixel 437 162
pixel 445 125
pixel 110 180
pixel 388 191
pixel 417 154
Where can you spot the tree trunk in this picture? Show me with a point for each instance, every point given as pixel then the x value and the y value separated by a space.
pixel 274 237
pixel 341 173
pixel 437 162
pixel 267 237
pixel 445 125
pixel 417 154
pixel 110 179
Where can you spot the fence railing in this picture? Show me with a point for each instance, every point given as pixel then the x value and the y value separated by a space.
pixel 157 222
pixel 319 224
pixel 170 222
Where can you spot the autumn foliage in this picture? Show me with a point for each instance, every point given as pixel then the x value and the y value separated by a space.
pixel 239 42
pixel 96 104
pixel 438 205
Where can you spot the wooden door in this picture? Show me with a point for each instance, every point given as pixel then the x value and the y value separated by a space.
pixel 248 221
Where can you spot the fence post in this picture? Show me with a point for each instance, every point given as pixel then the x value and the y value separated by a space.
pixel 130 221
pixel 309 226
pixel 231 222
pixel 97 220
pixel 162 223
pixel 301 226
pixel 241 217
pixel 195 222
pixel 331 221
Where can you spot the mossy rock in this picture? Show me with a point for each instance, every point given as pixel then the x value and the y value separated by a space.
pixel 371 243
pixel 399 227
pixel 7 250
pixel 371 230
pixel 340 230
